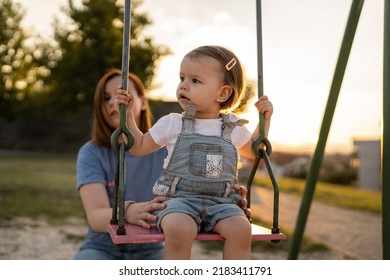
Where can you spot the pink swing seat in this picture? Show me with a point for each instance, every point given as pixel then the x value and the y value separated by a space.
pixel 137 234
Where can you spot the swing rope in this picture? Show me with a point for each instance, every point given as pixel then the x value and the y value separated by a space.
pixel 261 139
pixel 122 131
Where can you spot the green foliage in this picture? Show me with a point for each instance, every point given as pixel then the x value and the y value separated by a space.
pixel 91 43
pixel 86 45
pixel 47 86
pixel 11 38
pixel 24 64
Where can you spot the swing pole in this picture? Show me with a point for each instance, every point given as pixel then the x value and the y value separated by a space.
pixel 260 90
pixel 118 210
pixel 386 137
pixel 123 129
pixel 261 153
pixel 260 80
pixel 316 162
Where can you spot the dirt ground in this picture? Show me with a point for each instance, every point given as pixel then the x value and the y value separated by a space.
pixel 25 239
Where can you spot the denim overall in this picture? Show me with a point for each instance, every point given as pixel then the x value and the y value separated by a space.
pixel 201 175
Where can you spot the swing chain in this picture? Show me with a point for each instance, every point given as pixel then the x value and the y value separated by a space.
pixel 267 144
pixel 122 129
pixel 261 139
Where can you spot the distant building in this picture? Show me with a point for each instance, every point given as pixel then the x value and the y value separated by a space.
pixel 367 160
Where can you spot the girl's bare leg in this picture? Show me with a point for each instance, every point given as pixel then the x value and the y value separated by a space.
pixel 180 231
pixel 238 236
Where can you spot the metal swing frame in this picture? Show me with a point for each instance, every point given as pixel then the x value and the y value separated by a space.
pixel 122 232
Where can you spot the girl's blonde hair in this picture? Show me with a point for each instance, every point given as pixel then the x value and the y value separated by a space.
pixel 230 67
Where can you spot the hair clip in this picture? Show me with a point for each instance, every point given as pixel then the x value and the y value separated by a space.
pixel 230 64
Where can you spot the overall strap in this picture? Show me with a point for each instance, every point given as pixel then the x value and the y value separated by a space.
pixel 228 126
pixel 189 119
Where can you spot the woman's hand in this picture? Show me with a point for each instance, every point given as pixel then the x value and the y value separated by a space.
pixel 243 203
pixel 141 213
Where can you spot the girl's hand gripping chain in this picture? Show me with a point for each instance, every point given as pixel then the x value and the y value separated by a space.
pixel 125 98
pixel 264 106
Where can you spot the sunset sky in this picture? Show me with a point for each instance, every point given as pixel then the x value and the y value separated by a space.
pixel 301 43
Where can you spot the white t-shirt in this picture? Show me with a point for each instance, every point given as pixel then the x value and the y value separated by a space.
pixel 166 130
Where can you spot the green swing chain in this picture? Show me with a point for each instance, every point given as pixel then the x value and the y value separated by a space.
pixel 260 88
pixel 261 139
pixel 118 212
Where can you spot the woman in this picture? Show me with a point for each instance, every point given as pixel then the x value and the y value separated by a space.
pixel 96 168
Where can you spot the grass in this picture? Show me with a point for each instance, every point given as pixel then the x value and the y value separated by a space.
pixel 332 194
pixel 39 185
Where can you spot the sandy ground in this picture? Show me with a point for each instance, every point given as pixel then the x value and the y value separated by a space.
pixel 24 239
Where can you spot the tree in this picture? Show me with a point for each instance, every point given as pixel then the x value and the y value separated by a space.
pixel 91 43
pixel 24 63
pixel 12 59
pixel 11 38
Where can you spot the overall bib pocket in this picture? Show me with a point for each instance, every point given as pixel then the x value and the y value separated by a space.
pixel 206 160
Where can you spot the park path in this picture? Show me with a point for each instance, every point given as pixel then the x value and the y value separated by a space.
pixel 356 234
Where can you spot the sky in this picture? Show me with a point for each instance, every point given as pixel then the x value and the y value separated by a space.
pixel 301 44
